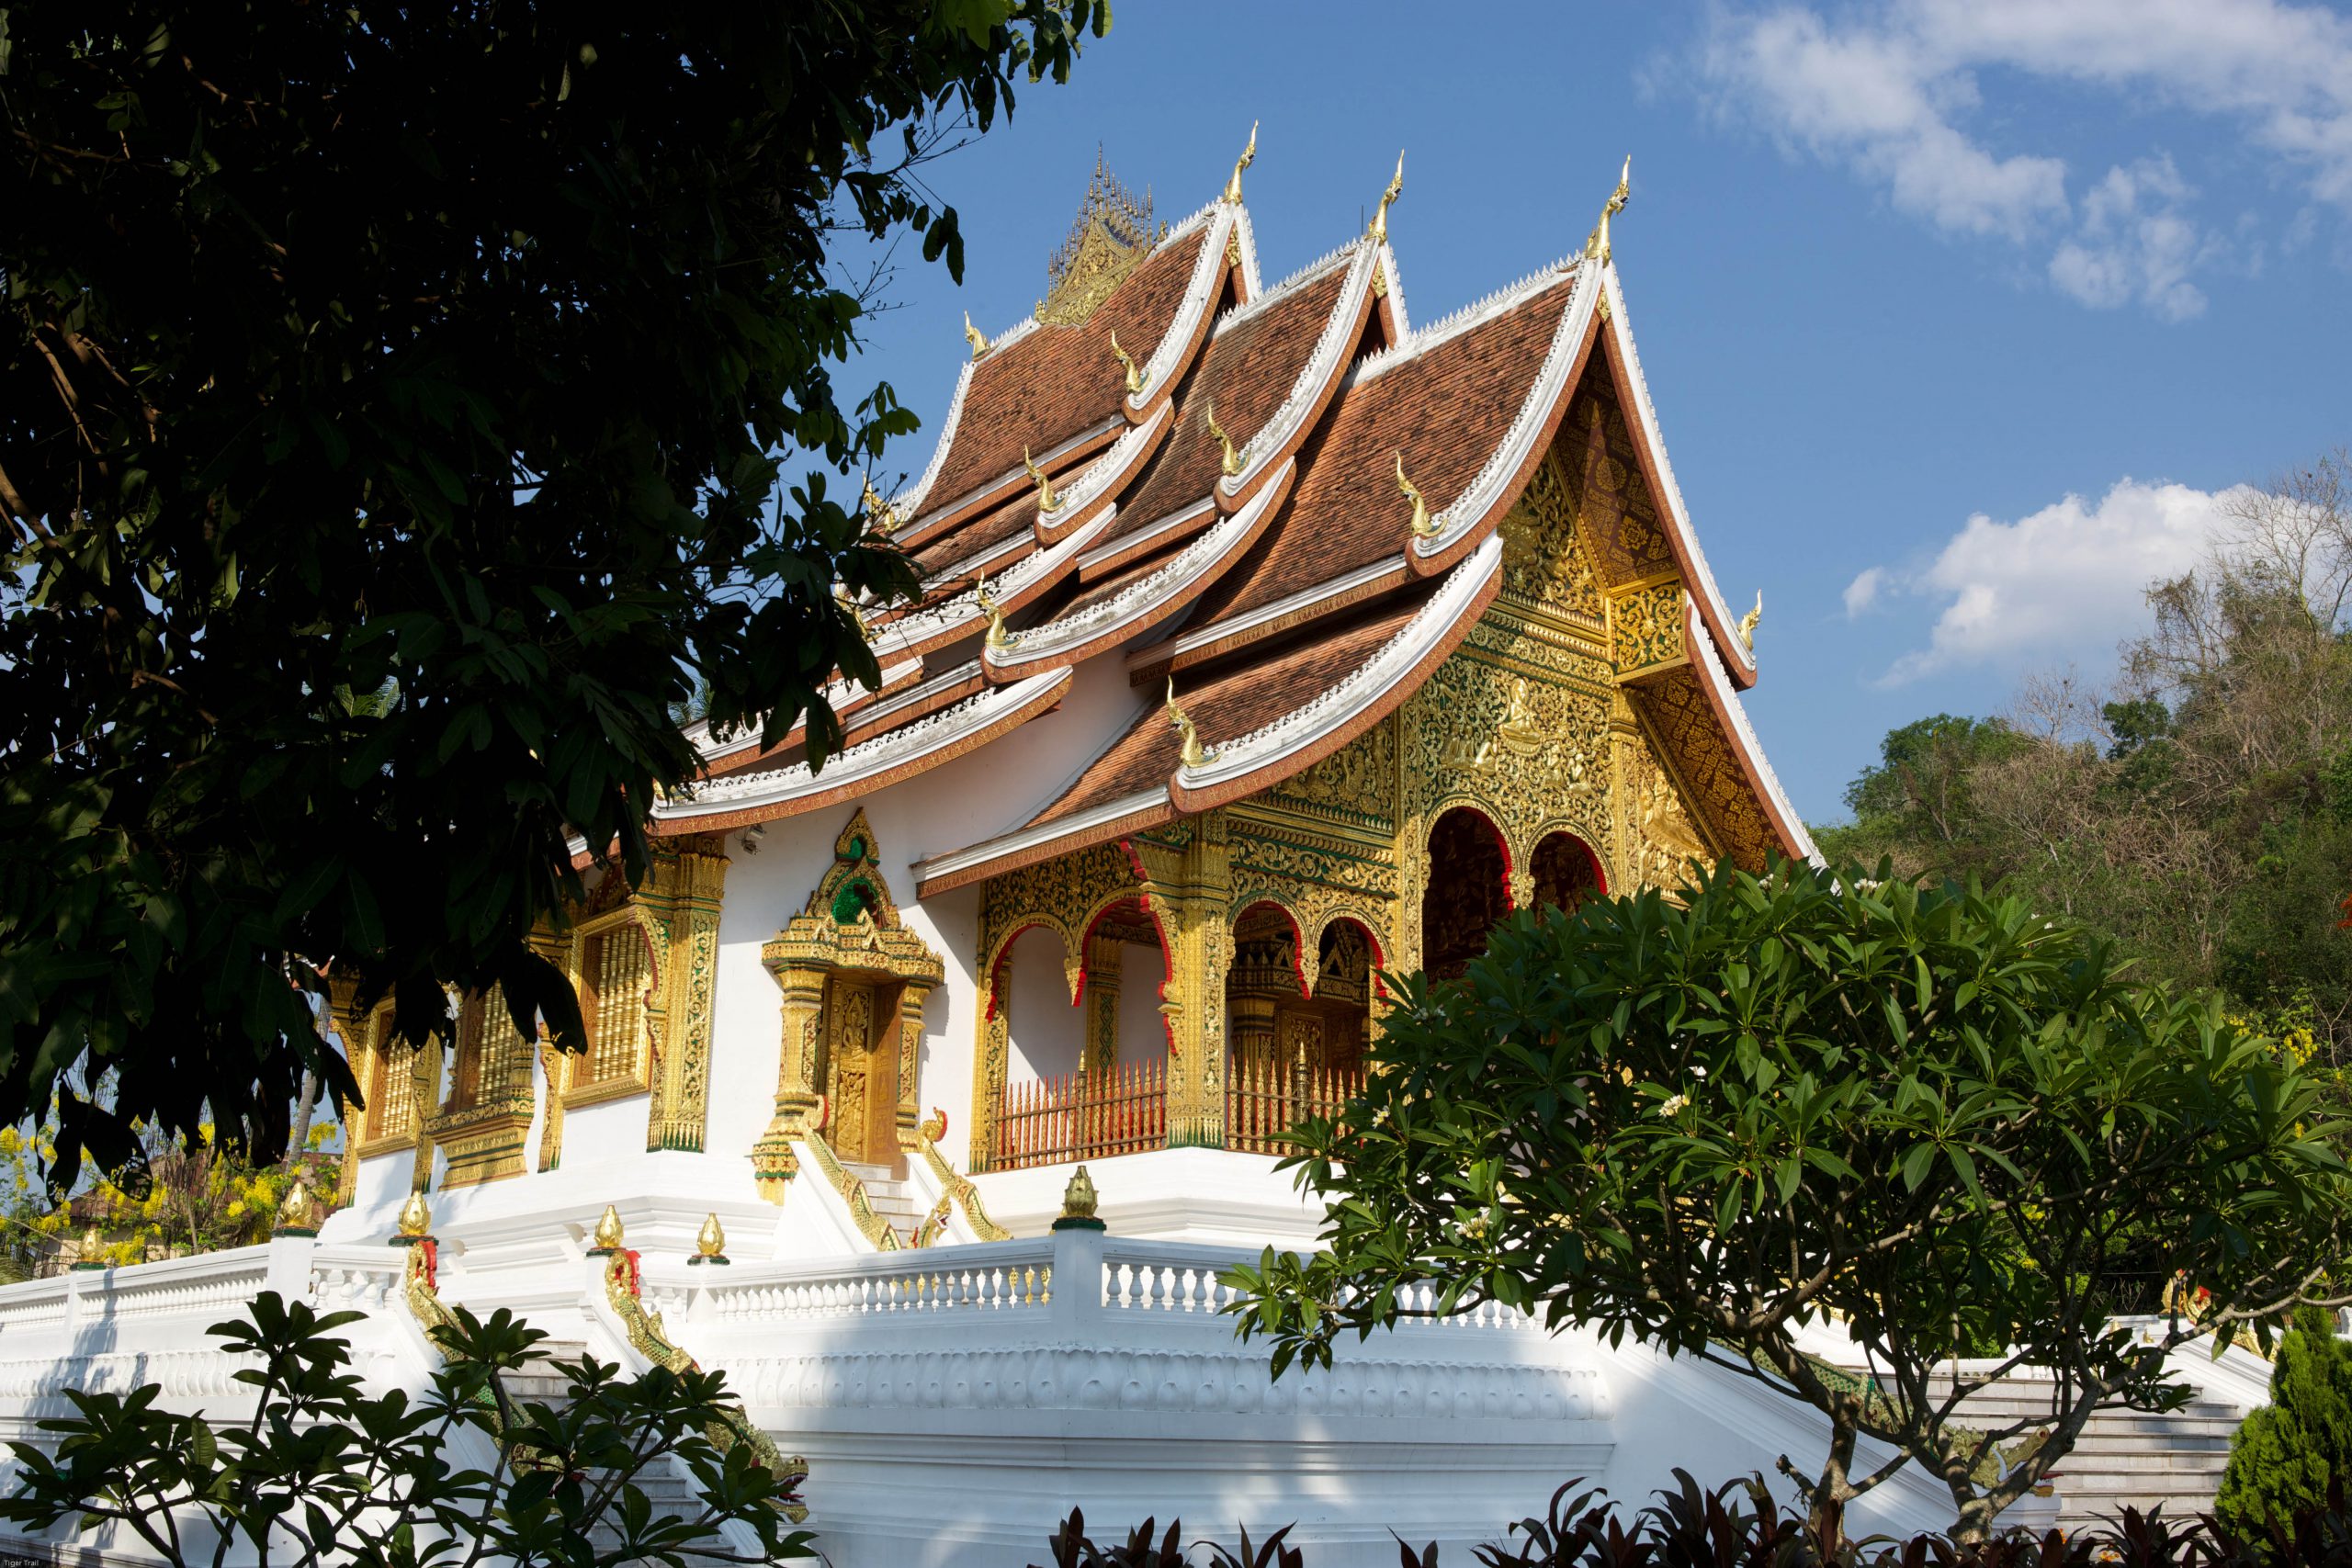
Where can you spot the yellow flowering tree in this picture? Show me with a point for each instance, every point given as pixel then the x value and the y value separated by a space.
pixel 178 1196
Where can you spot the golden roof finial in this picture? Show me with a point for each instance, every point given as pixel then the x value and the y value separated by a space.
pixel 998 636
pixel 1249 156
pixel 880 513
pixel 711 1240
pixel 1137 379
pixel 1229 462
pixel 608 1234
pixel 1422 527
pixel 1748 622
pixel 1192 753
pixel 1379 230
pixel 1596 244
pixel 416 1218
pixel 1046 499
pixel 972 335
pixel 856 616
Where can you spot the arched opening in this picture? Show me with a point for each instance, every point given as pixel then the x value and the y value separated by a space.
pixel 1089 1081
pixel 1567 872
pixel 1296 1052
pixel 1347 955
pixel 1263 979
pixel 1468 891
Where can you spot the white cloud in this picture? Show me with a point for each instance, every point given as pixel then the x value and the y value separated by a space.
pixel 1893 93
pixel 2068 580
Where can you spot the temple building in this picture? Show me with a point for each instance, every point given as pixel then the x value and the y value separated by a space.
pixel 1268 641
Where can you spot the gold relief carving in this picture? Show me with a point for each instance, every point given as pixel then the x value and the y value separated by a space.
pixel 1112 236
pixel 1357 783
pixel 1301 1041
pixel 1528 749
pixel 846 941
pixel 1712 784
pixel 482 1126
pixel 683 898
pixel 1105 970
pixel 1064 895
pixel 954 1184
pixel 1645 626
pixel 1601 474
pixel 1544 566
pixel 1189 890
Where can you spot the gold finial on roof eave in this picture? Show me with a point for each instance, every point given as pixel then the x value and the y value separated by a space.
pixel 1229 458
pixel 1748 623
pixel 998 636
pixel 1596 244
pixel 1137 379
pixel 1046 499
pixel 880 513
pixel 1249 155
pixel 972 335
pixel 1192 753
pixel 1423 528
pixel 1379 230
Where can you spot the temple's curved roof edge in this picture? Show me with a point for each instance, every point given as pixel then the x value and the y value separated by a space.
pixel 1731 714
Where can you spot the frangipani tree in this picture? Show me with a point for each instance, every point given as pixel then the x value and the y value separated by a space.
pixel 1926 1113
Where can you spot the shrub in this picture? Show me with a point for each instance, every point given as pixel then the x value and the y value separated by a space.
pixel 2287 1456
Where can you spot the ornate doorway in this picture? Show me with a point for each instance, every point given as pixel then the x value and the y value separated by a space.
pixel 1467 892
pixel 861 1069
pixel 1567 872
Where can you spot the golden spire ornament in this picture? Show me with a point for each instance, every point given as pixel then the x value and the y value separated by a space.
pixel 1079 1202
pixel 1423 528
pixel 416 1218
pixel 86 1255
pixel 297 1214
pixel 972 335
pixel 710 1241
pixel 1192 753
pixel 608 1234
pixel 998 636
pixel 1228 459
pixel 1596 244
pixel 1046 499
pixel 1748 623
pixel 1137 379
pixel 1379 230
pixel 1249 155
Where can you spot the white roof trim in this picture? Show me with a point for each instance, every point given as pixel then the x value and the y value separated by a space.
pixel 1395 292
pixel 1115 461
pixel 1711 665
pixel 1621 328
pixel 1518 444
pixel 1336 339
pixel 908 502
pixel 1177 577
pixel 1030 836
pixel 1207 268
pixel 835 692
pixel 1149 533
pixel 1303 727
pixel 1445 328
pixel 1247 235
pixel 1217 631
pixel 1047 461
pixel 867 758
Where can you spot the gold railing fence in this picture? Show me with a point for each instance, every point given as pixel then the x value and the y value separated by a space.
pixel 1121 1111
pixel 1264 1099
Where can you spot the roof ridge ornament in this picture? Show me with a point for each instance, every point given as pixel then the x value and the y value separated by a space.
pixel 856 616
pixel 1423 528
pixel 998 636
pixel 1378 233
pixel 1193 754
pixel 1596 244
pixel 1137 379
pixel 1046 499
pixel 1232 196
pixel 1229 461
pixel 1749 622
pixel 880 513
pixel 972 335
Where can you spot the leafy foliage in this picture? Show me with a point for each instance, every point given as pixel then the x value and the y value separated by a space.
pixel 1926 1112
pixel 322 1473
pixel 391 404
pixel 2289 1455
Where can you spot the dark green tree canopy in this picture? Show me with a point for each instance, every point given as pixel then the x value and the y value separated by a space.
pixel 391 403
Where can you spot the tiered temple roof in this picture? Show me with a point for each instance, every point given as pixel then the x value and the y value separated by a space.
pixel 1215 502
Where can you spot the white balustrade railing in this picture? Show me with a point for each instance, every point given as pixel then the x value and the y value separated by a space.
pixel 991 1277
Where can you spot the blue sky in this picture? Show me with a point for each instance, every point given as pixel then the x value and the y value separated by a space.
pixel 1962 315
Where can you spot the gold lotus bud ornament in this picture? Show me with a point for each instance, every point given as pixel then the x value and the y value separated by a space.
pixel 416 1218
pixel 92 1245
pixel 297 1214
pixel 608 1234
pixel 710 1241
pixel 1078 1200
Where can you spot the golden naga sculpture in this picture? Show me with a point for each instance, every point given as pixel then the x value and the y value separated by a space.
pixel 972 335
pixel 1379 230
pixel 1193 754
pixel 998 636
pixel 1596 244
pixel 416 1218
pixel 1249 155
pixel 880 513
pixel 1229 462
pixel 1046 499
pixel 1137 379
pixel 1748 623
pixel 1423 526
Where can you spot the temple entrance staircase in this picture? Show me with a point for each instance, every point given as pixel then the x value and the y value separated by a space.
pixel 892 1199
pixel 2124 1458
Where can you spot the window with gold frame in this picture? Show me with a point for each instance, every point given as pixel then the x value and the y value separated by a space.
pixel 391 1086
pixel 615 972
pixel 493 1061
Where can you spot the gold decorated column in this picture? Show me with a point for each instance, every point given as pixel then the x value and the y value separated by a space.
pixel 689 894
pixel 351 1026
pixel 773 1161
pixel 911 1000
pixel 1189 886
pixel 1104 963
